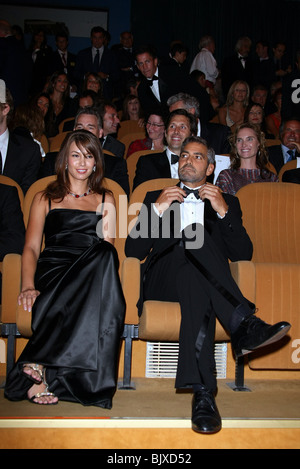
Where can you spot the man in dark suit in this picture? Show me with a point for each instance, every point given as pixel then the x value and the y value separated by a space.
pixel 289 133
pixel 187 233
pixel 20 157
pixel 110 119
pixel 12 230
pixel 160 81
pixel 98 59
pixel 292 175
pixel 62 59
pixel 216 135
pixel 115 167
pixel 179 125
pixel 238 66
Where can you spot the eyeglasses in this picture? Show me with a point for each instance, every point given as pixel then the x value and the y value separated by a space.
pixel 155 125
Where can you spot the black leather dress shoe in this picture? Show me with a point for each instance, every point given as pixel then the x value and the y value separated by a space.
pixel 254 333
pixel 205 414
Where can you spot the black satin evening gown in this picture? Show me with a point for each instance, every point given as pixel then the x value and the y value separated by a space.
pixel 77 320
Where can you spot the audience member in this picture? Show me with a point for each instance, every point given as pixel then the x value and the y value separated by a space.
pixel 254 114
pixel 194 271
pixel 62 59
pixel 12 230
pixel 126 60
pixel 115 168
pixel 63 106
pixel 20 156
pixel 282 67
pixel 273 120
pixel 155 128
pixel 205 60
pixel 179 125
pixel 65 285
pixel 111 122
pixel 291 92
pixel 92 81
pixel 41 55
pixel 216 134
pixel 248 158
pixel 28 121
pixel 263 66
pixel 132 109
pixel 233 112
pixel 289 134
pixel 98 59
pixel 238 66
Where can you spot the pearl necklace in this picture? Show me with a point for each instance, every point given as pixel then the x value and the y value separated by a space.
pixel 77 196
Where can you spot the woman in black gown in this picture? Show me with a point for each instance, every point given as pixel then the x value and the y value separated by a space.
pixel 72 286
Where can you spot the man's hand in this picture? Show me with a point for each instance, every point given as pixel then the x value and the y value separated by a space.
pixel 167 196
pixel 214 194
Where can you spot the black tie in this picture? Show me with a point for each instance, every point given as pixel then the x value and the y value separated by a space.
pixel 96 60
pixel 291 153
pixel 0 163
pixel 174 158
pixel 191 191
pixel 154 78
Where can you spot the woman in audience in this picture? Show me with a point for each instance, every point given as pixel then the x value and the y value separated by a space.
pixel 273 120
pixel 249 160
pixel 132 109
pixel 29 122
pixel 255 114
pixel 63 106
pixel 232 113
pixel 155 128
pixel 72 286
pixel 93 82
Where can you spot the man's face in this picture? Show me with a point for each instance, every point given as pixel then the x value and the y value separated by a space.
pixel 146 64
pixel 177 131
pixel 260 97
pixel 97 40
pixel 244 49
pixel 86 101
pixel 90 123
pixel 111 121
pixel 62 43
pixel 279 51
pixel 127 40
pixel 291 134
pixel 193 166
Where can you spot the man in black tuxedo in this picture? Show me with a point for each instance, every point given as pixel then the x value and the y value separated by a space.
pixel 179 125
pixel 216 135
pixel 20 157
pixel 160 81
pixel 109 115
pixel 98 59
pixel 62 59
pixel 238 66
pixel 187 233
pixel 115 167
pixel 289 133
pixel 292 175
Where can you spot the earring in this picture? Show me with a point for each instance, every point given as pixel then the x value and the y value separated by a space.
pixel 94 168
pixel 66 167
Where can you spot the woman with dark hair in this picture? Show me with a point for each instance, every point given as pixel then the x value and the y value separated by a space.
pixel 255 114
pixel 155 129
pixel 249 160
pixel 93 82
pixel 72 286
pixel 132 109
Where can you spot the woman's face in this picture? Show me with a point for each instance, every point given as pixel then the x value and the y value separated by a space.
pixel 255 115
pixel 80 163
pixel 240 92
pixel 247 144
pixel 155 127
pixel 93 84
pixel 133 106
pixel 61 83
pixel 43 104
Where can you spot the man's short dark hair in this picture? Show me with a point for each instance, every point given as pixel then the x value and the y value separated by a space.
pixel 146 49
pixel 182 112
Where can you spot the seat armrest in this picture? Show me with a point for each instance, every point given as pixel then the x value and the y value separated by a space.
pixel 130 280
pixel 11 281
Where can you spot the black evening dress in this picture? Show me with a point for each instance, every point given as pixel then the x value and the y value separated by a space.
pixel 77 320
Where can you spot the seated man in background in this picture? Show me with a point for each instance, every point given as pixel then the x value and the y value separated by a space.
pixel 289 149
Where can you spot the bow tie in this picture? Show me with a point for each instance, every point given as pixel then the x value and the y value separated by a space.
pixel 243 58
pixel 191 191
pixel 174 158
pixel 154 78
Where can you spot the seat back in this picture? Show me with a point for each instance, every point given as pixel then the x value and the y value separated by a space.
pixel 130 127
pixel 61 125
pixel 271 217
pixel 127 139
pixel 289 165
pixel 271 142
pixel 132 162
pixel 56 142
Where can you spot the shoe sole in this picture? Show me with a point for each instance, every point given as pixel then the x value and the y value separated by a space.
pixel 208 432
pixel 280 334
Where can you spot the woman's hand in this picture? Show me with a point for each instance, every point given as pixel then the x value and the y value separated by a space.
pixel 27 298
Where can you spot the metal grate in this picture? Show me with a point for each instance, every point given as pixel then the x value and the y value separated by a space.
pixel 162 357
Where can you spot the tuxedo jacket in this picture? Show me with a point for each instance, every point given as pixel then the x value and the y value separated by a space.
pixel 12 230
pixel 276 156
pixel 292 175
pixel 228 235
pixel 57 64
pixel 232 69
pixel 23 160
pixel 115 169
pixel 114 145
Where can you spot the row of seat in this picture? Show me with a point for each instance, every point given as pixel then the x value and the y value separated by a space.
pixel 271 280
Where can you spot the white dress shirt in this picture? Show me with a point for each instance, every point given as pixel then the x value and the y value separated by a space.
pixel 3 146
pixel 155 88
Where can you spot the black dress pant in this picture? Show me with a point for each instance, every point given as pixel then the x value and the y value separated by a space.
pixel 175 277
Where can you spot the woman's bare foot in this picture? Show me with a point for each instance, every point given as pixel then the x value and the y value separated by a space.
pixel 34 372
pixel 39 394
